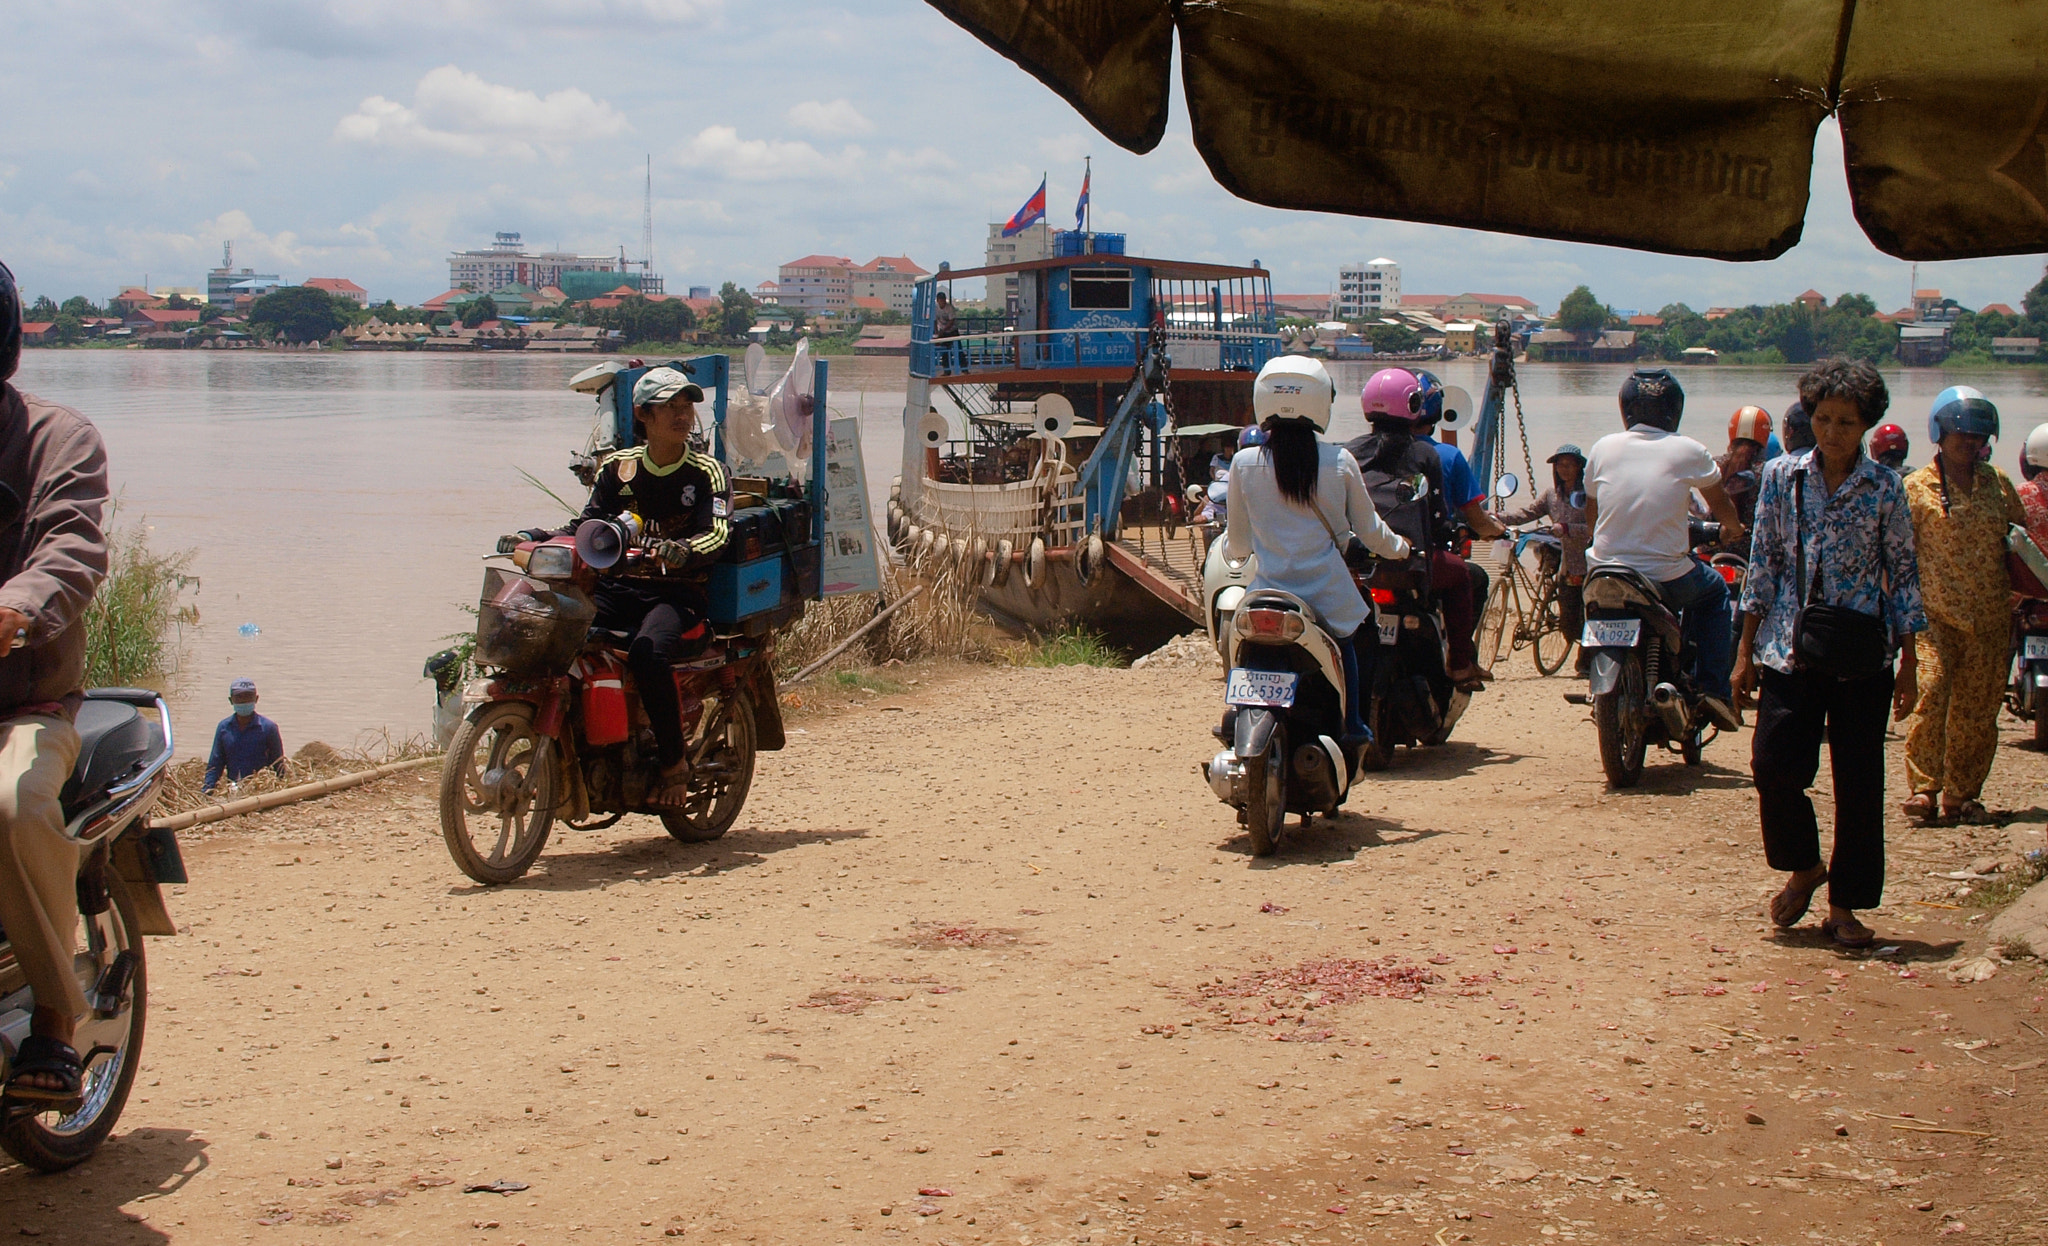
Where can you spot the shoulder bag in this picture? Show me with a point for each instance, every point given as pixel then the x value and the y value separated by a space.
pixel 1828 639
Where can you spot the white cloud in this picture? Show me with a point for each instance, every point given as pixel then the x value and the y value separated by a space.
pixel 461 114
pixel 837 119
pixel 721 150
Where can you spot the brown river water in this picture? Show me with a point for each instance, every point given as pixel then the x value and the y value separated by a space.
pixel 342 503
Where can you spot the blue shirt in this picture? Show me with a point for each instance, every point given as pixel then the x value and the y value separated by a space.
pixel 1459 483
pixel 1859 539
pixel 243 750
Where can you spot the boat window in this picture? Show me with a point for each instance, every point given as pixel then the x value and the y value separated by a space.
pixel 1100 289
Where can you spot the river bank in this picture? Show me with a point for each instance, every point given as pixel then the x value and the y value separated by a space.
pixel 974 969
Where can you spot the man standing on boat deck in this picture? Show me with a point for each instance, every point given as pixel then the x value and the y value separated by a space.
pixel 946 325
pixel 54 470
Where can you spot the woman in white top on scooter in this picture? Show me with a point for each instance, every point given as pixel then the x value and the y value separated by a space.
pixel 1296 501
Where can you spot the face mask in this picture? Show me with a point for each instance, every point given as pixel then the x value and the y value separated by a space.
pixel 244 709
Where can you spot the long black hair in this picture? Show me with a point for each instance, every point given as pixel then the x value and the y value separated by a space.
pixel 1291 445
pixel 1395 436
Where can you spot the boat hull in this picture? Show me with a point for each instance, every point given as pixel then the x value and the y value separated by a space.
pixel 1111 604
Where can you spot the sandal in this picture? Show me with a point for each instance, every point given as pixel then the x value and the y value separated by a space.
pixel 1789 905
pixel 46 1057
pixel 1849 934
pixel 1969 813
pixel 1920 805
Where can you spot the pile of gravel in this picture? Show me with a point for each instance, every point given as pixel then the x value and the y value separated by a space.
pixel 1191 652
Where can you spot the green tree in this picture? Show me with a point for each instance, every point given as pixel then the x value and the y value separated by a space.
pixel 82 307
pixel 297 314
pixel 478 310
pixel 736 310
pixel 65 328
pixel 44 308
pixel 178 302
pixel 2036 302
pixel 208 313
pixel 641 319
pixel 1392 339
pixel 1580 312
pixel 1856 304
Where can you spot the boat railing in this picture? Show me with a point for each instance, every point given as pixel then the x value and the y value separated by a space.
pixel 1049 503
pixel 1228 349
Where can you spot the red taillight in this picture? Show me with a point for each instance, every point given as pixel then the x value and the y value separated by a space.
pixel 1732 575
pixel 1383 596
pixel 1280 624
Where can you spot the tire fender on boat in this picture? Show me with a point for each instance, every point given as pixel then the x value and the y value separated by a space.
pixel 985 566
pixel 925 543
pixel 1001 564
pixel 1034 563
pixel 909 542
pixel 1088 558
pixel 959 553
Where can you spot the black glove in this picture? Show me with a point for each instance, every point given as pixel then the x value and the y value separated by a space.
pixel 513 540
pixel 673 554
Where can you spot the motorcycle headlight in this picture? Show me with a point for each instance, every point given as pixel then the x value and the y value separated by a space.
pixel 551 562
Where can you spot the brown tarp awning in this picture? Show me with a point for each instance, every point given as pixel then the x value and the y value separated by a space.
pixel 1683 126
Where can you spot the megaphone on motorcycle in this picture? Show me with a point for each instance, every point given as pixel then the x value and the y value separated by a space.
pixel 603 542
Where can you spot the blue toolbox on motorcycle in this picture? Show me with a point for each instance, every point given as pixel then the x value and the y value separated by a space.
pixel 770 563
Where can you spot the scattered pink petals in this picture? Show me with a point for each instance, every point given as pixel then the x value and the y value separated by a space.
pixel 1270 907
pixel 1714 990
pixel 1760 988
pixel 934 1191
pixel 1505 949
pixel 1336 1209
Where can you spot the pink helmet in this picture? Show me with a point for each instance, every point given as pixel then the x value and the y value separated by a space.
pixel 1392 393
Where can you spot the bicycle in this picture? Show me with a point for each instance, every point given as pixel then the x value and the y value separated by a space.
pixel 1532 598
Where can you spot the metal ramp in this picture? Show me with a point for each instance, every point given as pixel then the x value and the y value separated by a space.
pixel 1169 568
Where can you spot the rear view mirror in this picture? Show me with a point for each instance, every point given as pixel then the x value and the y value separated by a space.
pixel 1507 485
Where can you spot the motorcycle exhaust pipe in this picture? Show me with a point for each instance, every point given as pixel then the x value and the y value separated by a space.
pixel 1670 707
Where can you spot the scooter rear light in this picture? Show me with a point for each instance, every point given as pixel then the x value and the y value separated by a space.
pixel 1279 624
pixel 1733 575
pixel 1383 597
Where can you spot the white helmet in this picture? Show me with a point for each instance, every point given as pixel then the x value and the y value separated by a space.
pixel 1294 387
pixel 2036 453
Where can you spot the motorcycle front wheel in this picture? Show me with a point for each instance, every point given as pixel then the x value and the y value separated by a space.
pixel 1265 794
pixel 112 1046
pixel 718 786
pixel 1619 717
pixel 498 792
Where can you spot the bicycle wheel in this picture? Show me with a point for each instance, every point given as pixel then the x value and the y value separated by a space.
pixel 1493 620
pixel 1552 645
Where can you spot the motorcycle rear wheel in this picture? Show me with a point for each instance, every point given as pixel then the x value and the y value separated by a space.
pixel 1379 752
pixel 504 775
pixel 1619 717
pixel 1265 794
pixel 53 1141
pixel 718 788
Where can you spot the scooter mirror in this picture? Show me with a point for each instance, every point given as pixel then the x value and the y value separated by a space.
pixel 1507 485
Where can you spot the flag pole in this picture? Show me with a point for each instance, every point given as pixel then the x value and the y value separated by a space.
pixel 1087 181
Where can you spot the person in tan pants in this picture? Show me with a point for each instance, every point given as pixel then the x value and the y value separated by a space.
pixel 53 492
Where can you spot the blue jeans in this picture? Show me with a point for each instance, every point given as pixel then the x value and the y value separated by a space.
pixel 1354 713
pixel 1701 598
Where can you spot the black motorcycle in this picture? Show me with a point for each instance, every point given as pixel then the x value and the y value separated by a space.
pixel 123 863
pixel 1640 683
pixel 1410 697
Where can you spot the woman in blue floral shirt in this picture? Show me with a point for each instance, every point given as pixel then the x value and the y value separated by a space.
pixel 1858 534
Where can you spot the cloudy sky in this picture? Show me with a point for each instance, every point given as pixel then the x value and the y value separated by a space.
pixel 367 138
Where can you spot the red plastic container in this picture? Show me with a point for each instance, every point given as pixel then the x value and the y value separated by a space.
pixel 604 706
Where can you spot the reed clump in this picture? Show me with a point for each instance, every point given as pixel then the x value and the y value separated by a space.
pixel 942 623
pixel 130 623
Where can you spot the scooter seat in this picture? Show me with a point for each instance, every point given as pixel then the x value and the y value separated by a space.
pixel 114 741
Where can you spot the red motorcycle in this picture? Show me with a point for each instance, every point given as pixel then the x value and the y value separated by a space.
pixel 561 733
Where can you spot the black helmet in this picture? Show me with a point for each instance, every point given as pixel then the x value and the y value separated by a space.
pixel 1798 429
pixel 1652 396
pixel 10 324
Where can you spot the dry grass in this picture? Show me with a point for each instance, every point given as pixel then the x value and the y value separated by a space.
pixel 313 762
pixel 943 623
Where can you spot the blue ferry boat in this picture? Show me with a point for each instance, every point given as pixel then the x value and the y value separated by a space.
pixel 1050 442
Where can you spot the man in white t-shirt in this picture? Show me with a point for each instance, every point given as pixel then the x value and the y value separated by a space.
pixel 1639 486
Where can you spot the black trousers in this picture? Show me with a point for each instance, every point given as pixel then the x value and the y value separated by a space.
pixel 666 622
pixel 1792 713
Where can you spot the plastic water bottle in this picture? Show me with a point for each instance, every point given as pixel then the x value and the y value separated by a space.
pixel 250 629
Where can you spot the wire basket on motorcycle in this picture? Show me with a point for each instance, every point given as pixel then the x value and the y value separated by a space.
pixel 526 626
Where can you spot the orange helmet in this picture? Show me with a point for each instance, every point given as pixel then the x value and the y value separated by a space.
pixel 1750 424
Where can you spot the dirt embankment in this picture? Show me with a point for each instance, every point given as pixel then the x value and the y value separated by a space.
pixel 986 962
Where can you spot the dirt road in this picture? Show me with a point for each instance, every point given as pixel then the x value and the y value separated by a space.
pixel 986 962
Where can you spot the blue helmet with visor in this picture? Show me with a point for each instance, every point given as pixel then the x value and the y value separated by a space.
pixel 1962 409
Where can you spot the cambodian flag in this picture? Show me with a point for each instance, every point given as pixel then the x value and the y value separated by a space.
pixel 1030 214
pixel 1081 204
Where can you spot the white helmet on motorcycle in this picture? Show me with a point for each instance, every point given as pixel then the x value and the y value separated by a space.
pixel 2036 454
pixel 1294 387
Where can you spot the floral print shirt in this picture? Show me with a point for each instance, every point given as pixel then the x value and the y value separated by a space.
pixel 1961 540
pixel 2034 500
pixel 1859 540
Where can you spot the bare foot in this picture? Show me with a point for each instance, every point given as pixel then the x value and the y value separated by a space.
pixel 674 791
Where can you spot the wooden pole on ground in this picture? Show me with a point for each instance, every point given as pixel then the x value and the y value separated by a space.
pixel 859 632
pixel 288 796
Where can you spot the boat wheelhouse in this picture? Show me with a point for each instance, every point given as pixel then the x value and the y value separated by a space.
pixel 1049 443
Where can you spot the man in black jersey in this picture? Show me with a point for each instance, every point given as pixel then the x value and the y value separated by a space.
pixel 683 502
